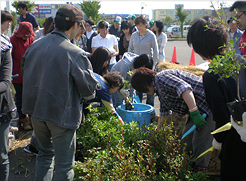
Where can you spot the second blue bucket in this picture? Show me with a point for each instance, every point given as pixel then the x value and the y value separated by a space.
pixel 142 113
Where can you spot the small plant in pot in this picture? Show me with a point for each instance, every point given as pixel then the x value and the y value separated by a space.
pixel 229 65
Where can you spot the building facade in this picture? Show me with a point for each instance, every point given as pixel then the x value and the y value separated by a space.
pixel 161 14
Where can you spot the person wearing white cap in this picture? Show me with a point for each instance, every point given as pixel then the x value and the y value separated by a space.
pixel 115 29
pixel 131 18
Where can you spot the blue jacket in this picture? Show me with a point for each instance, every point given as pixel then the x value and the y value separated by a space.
pixel 236 38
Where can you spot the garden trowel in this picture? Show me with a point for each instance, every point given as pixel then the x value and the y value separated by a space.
pixel 191 129
pixel 210 150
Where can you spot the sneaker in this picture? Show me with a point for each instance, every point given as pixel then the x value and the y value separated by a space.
pixel 31 149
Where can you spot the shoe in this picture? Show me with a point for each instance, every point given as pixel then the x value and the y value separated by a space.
pixel 31 149
pixel 25 125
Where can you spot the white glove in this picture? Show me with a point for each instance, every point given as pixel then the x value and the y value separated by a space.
pixel 216 144
pixel 125 92
pixel 241 130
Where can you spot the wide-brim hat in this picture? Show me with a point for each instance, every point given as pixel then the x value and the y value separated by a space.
pixel 70 13
pixel 25 30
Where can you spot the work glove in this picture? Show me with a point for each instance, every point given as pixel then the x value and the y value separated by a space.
pixel 216 144
pixel 197 118
pixel 125 92
pixel 240 129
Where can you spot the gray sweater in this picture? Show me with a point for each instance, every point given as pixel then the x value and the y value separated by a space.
pixel 147 45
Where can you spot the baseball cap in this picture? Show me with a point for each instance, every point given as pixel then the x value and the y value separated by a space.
pixel 25 30
pixel 150 24
pixel 131 16
pixel 70 13
pixel 117 20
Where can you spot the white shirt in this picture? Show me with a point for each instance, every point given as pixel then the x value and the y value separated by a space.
pixel 88 34
pixel 108 42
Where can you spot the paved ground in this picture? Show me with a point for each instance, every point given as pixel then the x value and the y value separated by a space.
pixel 183 52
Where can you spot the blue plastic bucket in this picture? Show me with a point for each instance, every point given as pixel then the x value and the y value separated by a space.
pixel 141 114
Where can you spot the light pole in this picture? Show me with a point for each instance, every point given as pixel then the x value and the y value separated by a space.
pixel 142 6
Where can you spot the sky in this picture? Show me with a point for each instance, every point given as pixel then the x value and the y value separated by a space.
pixel 134 6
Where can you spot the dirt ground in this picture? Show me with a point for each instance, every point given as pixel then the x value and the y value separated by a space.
pixel 22 164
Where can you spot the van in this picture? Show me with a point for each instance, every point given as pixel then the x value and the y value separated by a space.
pixel 173 32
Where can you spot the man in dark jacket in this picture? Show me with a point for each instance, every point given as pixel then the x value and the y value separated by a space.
pixel 115 29
pixel 56 74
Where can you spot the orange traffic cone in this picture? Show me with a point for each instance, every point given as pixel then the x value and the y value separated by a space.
pixel 174 57
pixel 192 58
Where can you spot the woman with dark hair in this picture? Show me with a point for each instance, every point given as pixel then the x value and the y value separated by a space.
pixel 161 39
pixel 100 60
pixel 207 36
pixel 125 37
pixel 89 33
pixel 48 24
pixel 144 41
pixel 7 105
pixel 181 92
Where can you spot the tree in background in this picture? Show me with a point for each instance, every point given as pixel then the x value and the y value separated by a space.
pixel 168 21
pixel 182 15
pixel 30 5
pixel 91 9
pixel 16 14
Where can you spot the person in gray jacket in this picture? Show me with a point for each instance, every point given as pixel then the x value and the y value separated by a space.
pixel 129 62
pixel 144 41
pixel 56 74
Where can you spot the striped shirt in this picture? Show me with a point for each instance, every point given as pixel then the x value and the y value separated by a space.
pixel 29 18
pixel 169 86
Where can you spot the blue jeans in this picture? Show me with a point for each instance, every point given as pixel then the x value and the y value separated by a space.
pixel 56 146
pixel 4 159
pixel 150 98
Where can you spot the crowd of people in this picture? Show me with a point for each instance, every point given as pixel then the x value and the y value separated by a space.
pixel 69 63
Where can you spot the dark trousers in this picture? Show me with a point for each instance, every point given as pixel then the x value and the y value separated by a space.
pixel 18 100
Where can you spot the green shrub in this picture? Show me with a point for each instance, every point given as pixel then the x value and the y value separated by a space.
pixel 114 151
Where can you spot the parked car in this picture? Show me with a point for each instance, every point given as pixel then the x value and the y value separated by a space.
pixel 175 31
pixel 186 29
